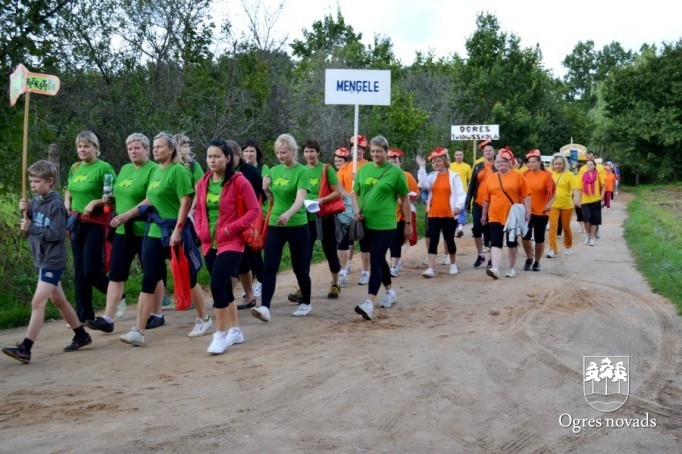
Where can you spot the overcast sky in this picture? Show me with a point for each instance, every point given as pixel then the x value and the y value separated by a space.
pixel 444 25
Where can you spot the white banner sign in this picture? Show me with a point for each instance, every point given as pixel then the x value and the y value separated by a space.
pixel 475 132
pixel 357 87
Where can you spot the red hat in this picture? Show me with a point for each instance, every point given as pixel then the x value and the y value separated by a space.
pixel 484 143
pixel 506 153
pixel 533 153
pixel 342 153
pixel 395 152
pixel 439 151
pixel 362 142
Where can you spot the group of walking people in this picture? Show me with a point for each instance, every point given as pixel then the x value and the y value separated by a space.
pixel 153 209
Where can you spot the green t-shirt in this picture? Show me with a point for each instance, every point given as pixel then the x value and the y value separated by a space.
pixel 86 182
pixel 215 189
pixel 196 174
pixel 265 170
pixel 316 183
pixel 165 190
pixel 131 189
pixel 379 207
pixel 285 182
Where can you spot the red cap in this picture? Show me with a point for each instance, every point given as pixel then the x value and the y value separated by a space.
pixel 533 153
pixel 362 141
pixel 439 151
pixel 395 152
pixel 342 152
pixel 507 154
pixel 484 143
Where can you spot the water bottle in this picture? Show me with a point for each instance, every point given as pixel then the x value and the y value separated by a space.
pixel 108 185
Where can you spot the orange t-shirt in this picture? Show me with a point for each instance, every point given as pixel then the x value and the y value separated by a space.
pixel 345 174
pixel 412 186
pixel 541 185
pixel 514 185
pixel 440 197
pixel 610 181
pixel 481 176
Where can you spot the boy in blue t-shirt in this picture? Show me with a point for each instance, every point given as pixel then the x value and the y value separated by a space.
pixel 45 227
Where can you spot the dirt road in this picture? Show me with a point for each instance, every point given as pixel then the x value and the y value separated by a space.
pixel 460 364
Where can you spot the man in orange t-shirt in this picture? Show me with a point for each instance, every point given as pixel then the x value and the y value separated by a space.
pixel 474 201
pixel 542 194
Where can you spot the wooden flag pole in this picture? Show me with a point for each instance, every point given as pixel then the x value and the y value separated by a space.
pixel 24 155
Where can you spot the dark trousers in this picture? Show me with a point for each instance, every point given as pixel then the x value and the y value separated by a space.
pixel 298 238
pixel 377 243
pixel 329 244
pixel 221 267
pixel 88 263
pixel 448 227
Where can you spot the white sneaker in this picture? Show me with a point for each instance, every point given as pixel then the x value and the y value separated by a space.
pixel 218 344
pixel 551 254
pixel 261 313
pixel 234 336
pixel 511 273
pixel 568 251
pixel 389 299
pixel 201 327
pixel 258 289
pixel 425 261
pixel 343 277
pixel 590 242
pixel 586 240
pixel 493 272
pixel 597 235
pixel 400 265
pixel 122 308
pixel 459 231
pixel 429 273
pixel 302 310
pixel 348 270
pixel 453 269
pixel 133 337
pixel 395 271
pixel 366 309
pixel 364 278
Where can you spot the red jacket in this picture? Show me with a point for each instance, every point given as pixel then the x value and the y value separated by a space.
pixel 227 214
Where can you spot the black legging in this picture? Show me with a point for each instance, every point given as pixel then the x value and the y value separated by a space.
pixel 398 240
pixel 329 244
pixel 220 266
pixel 88 264
pixel 377 242
pixel 298 239
pixel 448 227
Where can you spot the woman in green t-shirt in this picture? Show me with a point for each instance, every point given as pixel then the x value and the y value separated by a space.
pixel 85 196
pixel 286 185
pixel 377 187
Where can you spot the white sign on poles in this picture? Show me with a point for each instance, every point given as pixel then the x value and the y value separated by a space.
pixel 357 87
pixel 475 132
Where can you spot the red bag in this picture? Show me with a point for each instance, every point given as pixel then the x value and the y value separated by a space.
pixel 254 234
pixel 180 271
pixel 413 234
pixel 333 207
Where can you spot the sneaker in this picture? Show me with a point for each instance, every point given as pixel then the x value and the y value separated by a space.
pixel 343 277
pixel 261 313
pixel 400 265
pixel 493 272
pixel 133 337
pixel 389 299
pixel 425 261
pixel 201 327
pixel 249 305
pixel 429 273
pixel 218 344
pixel 486 248
pixel 154 322
pixel 536 266
pixel 395 271
pixel 590 242
pixel 366 309
pixel 302 310
pixel 527 265
pixel 364 278
pixel 258 289
pixel 334 292
pixel 597 235
pixel 446 259
pixel 479 261
pixel 295 297
pixel 99 324
pixel 581 230
pixel 453 269
pixel 551 254
pixel 234 336
pixel 77 344
pixel 122 308
pixel 167 303
pixel 586 240
pixel 348 269
pixel 19 352
pixel 511 273
pixel 490 264
pixel 459 231
pixel 568 251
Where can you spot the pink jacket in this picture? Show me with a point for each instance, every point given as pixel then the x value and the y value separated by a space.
pixel 228 218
